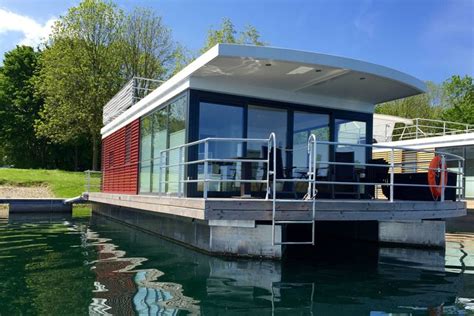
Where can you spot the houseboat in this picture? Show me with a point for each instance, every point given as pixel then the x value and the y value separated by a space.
pixel 428 134
pixel 250 150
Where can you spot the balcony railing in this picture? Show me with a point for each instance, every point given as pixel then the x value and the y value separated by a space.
pixel 174 158
pixel 423 128
pixel 133 91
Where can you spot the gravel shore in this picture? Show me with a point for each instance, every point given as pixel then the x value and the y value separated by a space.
pixel 25 192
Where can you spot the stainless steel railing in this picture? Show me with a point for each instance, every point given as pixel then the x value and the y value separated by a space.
pixel 423 128
pixel 270 181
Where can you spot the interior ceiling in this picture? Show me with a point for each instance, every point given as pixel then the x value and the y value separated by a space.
pixel 306 78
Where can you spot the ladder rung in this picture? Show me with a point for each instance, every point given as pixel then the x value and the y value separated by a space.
pixel 293 222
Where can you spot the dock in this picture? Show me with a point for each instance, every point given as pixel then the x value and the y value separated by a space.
pixel 37 205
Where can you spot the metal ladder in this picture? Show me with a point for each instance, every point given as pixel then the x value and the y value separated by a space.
pixel 309 197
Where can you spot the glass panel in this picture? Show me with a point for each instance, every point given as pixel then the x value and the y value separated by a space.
pixel 349 132
pixel 261 122
pixel 177 136
pixel 217 120
pixel 305 124
pixel 469 170
pixel 145 154
pixel 160 120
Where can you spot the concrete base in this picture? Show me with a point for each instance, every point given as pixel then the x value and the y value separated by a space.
pixel 417 233
pixel 232 238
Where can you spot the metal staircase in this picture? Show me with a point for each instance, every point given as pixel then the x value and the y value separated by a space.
pixel 310 196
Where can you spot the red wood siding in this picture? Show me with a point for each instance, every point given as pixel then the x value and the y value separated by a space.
pixel 120 154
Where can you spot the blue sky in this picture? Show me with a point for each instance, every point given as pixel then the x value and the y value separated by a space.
pixel 429 39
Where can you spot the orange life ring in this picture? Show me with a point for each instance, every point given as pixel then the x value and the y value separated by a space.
pixel 435 165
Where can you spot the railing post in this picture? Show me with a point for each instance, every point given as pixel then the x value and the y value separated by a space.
pixel 180 173
pixel 269 144
pixel 459 184
pixel 392 173
pixel 160 181
pixel 443 176
pixel 416 128
pixel 444 128
pixel 206 165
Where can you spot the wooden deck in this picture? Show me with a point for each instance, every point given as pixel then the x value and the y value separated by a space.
pixel 261 210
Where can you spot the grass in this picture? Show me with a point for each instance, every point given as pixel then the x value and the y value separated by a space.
pixel 63 184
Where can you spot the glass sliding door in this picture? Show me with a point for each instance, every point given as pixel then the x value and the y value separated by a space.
pixel 145 154
pixel 349 132
pixel 219 120
pixel 261 121
pixel 176 137
pixel 305 124
pixel 160 125
pixel 160 130
pixel 469 171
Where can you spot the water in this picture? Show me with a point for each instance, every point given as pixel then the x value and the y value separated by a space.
pixel 99 267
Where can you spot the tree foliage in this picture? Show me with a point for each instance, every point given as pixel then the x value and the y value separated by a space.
pixel 94 49
pixel 459 93
pixel 227 33
pixel 451 101
pixel 20 106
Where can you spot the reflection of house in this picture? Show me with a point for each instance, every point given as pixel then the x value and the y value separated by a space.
pixel 243 123
pixel 121 289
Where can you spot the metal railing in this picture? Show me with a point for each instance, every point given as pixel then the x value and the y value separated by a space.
pixel 270 181
pixel 132 92
pixel 93 181
pixel 423 128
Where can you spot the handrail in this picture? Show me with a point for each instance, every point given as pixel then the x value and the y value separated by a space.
pixel 271 179
pixel 423 128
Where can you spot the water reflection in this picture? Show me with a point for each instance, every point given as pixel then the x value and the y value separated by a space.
pixel 122 287
pixel 355 280
pixel 101 267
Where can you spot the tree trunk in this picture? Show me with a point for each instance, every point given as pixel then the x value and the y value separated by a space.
pixel 95 153
pixel 76 158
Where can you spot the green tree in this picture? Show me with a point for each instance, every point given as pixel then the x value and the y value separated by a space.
pixel 459 94
pixel 93 50
pixel 428 105
pixel 227 33
pixel 147 46
pixel 80 73
pixel 19 107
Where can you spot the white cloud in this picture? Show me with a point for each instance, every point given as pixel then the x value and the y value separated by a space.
pixel 33 32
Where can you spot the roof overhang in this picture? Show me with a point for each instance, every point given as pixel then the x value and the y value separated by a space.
pixel 282 75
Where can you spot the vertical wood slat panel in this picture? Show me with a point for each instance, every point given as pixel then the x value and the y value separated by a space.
pixel 119 167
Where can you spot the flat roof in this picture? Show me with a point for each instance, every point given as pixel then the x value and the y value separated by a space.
pixel 282 75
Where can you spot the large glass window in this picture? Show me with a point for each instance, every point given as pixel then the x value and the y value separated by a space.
pixel 145 154
pixel 351 132
pixel 217 120
pixel 469 170
pixel 261 122
pixel 160 130
pixel 177 136
pixel 305 124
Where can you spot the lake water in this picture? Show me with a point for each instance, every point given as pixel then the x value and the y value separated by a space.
pixel 99 267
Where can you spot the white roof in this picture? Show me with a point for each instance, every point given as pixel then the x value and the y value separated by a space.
pixel 282 75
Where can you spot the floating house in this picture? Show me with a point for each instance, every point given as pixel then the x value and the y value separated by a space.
pixel 250 150
pixel 427 134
